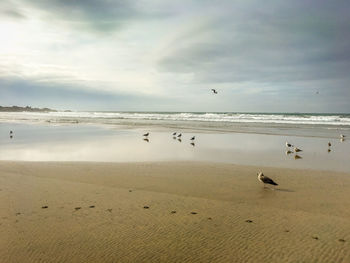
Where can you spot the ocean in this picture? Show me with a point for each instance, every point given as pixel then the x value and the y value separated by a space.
pixel 98 117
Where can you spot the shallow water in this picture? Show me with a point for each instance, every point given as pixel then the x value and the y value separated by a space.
pixel 78 142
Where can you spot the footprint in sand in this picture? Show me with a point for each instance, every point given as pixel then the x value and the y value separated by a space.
pixel 17 214
pixel 194 213
pixel 286 231
pixel 173 212
pixel 315 237
pixel 91 206
pixel 77 208
pixel 249 221
pixel 130 191
pixel 341 240
pixel 109 210
pixel 209 218
pixel 146 207
pixel 44 207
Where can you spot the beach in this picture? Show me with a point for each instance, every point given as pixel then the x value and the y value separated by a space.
pixel 87 192
pixel 197 212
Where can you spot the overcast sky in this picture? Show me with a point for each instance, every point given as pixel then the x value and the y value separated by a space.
pixel 160 55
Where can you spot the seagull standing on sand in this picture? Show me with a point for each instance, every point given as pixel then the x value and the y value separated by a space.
pixel 297 149
pixel 266 180
pixel 289 145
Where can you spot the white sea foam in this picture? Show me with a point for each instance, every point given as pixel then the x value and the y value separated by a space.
pixel 119 117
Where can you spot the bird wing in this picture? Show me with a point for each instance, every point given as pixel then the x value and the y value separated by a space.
pixel 268 180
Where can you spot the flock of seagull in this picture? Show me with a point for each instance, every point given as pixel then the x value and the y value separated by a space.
pixel 261 177
pixel 176 135
pixel 266 180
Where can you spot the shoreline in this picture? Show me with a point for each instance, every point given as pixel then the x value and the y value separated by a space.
pixel 124 212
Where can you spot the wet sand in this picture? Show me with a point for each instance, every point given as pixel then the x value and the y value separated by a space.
pixel 171 212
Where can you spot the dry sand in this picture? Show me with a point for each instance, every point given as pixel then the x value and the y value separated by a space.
pixel 306 219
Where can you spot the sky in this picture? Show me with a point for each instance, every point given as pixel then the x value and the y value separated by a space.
pixel 160 55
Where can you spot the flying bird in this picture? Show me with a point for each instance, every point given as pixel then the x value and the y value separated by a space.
pixel 214 91
pixel 266 180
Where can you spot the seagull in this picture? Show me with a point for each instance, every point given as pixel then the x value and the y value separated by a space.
pixel 342 136
pixel 146 134
pixel 289 145
pixel 194 137
pixel 179 136
pixel 264 179
pixel 174 133
pixel 297 149
pixel 214 91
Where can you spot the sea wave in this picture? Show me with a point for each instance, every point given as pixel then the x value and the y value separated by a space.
pixel 118 117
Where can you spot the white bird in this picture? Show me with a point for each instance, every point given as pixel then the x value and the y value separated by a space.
pixel 266 180
pixel 289 145
pixel 297 149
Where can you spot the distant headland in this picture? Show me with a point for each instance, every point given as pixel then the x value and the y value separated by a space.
pixel 27 108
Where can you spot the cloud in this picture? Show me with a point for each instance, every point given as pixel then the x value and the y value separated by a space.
pixel 23 92
pixel 270 45
pixel 8 10
pixel 264 56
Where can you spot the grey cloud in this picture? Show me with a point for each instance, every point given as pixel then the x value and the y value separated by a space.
pixel 94 15
pixel 22 92
pixel 10 10
pixel 286 42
